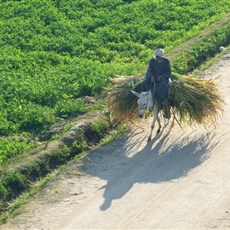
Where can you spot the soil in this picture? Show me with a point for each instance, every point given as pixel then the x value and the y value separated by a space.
pixel 178 180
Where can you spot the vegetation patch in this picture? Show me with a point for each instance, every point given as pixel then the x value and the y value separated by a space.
pixel 86 132
pixel 204 50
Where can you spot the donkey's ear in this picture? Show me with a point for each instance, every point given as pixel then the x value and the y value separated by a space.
pixel 135 93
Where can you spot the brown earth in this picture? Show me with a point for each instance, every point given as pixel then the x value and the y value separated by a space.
pixel 179 180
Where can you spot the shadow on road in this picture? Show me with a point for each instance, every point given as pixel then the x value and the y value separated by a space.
pixel 161 160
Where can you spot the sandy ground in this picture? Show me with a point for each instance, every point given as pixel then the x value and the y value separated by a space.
pixel 179 180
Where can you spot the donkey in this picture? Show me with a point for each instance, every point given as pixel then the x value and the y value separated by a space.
pixel 147 101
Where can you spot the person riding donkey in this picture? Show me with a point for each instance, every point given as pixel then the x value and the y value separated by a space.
pixel 157 78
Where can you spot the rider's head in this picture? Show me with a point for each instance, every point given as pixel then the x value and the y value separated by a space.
pixel 159 53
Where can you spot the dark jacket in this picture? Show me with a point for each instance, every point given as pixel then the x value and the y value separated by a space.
pixel 158 69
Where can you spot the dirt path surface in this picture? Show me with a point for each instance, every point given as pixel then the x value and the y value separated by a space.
pixel 179 180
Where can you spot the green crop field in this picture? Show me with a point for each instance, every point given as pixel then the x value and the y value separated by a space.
pixel 54 52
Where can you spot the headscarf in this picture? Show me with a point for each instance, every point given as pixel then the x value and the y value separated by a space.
pixel 159 52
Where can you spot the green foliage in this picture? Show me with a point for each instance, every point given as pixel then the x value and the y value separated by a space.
pixel 12 147
pixel 202 51
pixel 14 184
pixel 70 107
pixel 3 192
pixel 99 129
pixel 80 144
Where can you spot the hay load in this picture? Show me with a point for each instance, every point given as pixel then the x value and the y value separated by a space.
pixel 122 104
pixel 193 100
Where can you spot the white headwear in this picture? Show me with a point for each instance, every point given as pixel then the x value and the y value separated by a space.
pixel 159 52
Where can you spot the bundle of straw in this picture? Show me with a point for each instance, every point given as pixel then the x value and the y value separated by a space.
pixel 192 100
pixel 122 103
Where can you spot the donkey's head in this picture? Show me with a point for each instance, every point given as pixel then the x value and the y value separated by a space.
pixel 144 102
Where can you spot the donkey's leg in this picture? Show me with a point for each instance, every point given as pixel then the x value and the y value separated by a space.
pixel 159 125
pixel 155 117
pixel 152 127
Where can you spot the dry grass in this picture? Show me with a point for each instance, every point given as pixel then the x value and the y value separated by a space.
pixel 122 104
pixel 196 100
pixel 193 100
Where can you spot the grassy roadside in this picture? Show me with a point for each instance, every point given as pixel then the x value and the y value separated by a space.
pixel 38 185
pixel 192 54
pixel 210 62
pixel 20 175
pixel 203 35
pixel 43 161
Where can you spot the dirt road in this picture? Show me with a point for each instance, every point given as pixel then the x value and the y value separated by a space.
pixel 179 180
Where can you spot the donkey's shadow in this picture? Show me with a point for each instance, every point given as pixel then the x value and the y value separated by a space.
pixel 156 162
